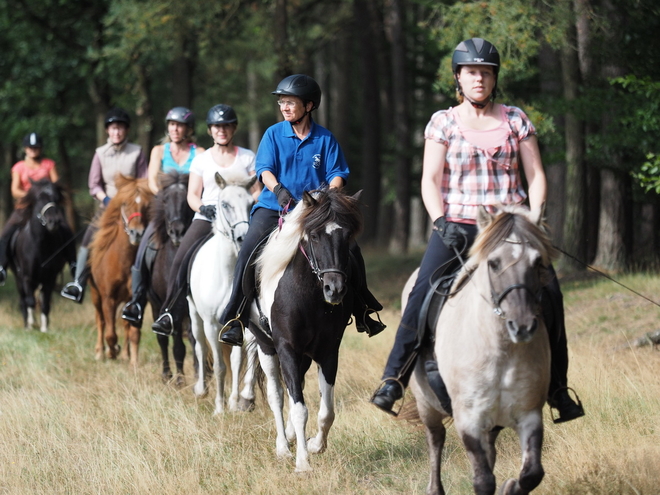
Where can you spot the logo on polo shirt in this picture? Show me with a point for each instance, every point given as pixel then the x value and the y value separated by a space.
pixel 317 161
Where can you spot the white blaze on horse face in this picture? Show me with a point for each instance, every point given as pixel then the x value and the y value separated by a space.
pixel 331 227
pixel 138 200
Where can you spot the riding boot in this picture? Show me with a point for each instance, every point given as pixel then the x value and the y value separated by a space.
pixel 133 310
pixel 232 332
pixel 164 324
pixel 366 304
pixel 558 396
pixel 75 290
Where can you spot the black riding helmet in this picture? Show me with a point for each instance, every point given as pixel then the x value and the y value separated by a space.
pixel 221 114
pixel 182 115
pixel 475 51
pixel 33 140
pixel 117 115
pixel 302 86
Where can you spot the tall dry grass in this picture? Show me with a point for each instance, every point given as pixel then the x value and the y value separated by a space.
pixel 70 424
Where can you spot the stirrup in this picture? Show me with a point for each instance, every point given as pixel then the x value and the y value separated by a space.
pixel 75 284
pixel 558 419
pixel 130 317
pixel 167 314
pixel 228 326
pixel 403 396
pixel 365 315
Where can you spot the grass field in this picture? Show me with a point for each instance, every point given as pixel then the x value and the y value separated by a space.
pixel 70 424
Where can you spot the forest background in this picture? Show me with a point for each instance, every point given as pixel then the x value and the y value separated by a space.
pixel 586 71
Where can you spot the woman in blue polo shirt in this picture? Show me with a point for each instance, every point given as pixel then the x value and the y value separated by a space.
pixel 177 151
pixel 294 156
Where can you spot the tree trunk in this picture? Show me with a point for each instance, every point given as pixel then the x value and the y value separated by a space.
pixel 574 228
pixel 281 40
pixel 395 22
pixel 611 248
pixel 183 68
pixel 143 109
pixel 370 173
pixel 254 131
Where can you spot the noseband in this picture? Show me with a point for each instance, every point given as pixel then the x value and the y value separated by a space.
pixel 497 298
pixel 230 232
pixel 314 264
pixel 46 207
pixel 127 219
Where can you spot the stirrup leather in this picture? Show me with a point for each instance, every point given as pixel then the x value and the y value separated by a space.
pixel 403 395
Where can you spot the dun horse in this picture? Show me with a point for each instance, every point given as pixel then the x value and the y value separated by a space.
pixel 492 352
pixel 40 249
pixel 303 276
pixel 211 277
pixel 111 255
pixel 171 218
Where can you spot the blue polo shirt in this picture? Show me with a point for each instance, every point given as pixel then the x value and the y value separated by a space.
pixel 298 165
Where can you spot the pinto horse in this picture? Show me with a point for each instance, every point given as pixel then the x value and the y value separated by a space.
pixel 111 255
pixel 171 217
pixel 40 248
pixel 492 352
pixel 303 276
pixel 211 276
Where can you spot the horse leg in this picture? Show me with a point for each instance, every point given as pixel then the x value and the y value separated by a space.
pixel 100 325
pixel 270 365
pixel 293 370
pixel 236 359
pixel 326 416
pixel 435 439
pixel 246 398
pixel 133 337
pixel 483 479
pixel 212 330
pixel 179 353
pixel 109 332
pixel 28 305
pixel 530 432
pixel 44 302
pixel 197 329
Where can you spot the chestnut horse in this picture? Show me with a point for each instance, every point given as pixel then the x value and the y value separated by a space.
pixel 111 255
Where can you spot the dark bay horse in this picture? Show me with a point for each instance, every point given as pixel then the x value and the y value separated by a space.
pixel 492 352
pixel 40 248
pixel 111 255
pixel 303 273
pixel 171 217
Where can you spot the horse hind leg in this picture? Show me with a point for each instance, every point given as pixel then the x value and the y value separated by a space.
pixel 197 330
pixel 44 303
pixel 274 393
pixel 435 440
pixel 246 397
pixel 179 354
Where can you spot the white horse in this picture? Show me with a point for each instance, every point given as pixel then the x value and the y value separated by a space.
pixel 210 287
pixel 492 353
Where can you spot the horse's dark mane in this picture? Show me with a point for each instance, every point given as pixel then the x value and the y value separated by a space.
pixel 333 206
pixel 158 214
pixel 508 224
pixel 30 199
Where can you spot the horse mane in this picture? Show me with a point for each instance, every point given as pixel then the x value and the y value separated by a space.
pixel 157 207
pixel 331 205
pixel 510 220
pixel 110 223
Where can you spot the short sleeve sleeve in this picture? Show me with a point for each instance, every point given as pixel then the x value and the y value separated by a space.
pixel 436 129
pixel 520 123
pixel 197 165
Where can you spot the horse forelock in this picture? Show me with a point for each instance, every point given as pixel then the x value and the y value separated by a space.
pixel 513 225
pixel 333 207
pixel 169 184
pixel 43 187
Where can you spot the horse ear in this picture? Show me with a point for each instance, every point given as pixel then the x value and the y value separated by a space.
pixel 220 180
pixel 251 182
pixel 537 215
pixel 484 217
pixel 356 196
pixel 308 200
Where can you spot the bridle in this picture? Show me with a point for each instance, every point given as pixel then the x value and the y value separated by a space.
pixel 497 297
pixel 314 264
pixel 127 219
pixel 230 231
pixel 44 209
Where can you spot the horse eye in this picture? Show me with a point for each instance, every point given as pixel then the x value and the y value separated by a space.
pixel 494 265
pixel 225 206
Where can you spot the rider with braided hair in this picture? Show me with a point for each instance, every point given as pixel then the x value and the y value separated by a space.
pixel 471 159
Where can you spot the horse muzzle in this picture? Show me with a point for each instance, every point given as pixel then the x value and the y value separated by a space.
pixel 522 332
pixel 334 287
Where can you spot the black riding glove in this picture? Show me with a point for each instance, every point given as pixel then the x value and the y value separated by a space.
pixel 284 197
pixel 208 211
pixel 452 234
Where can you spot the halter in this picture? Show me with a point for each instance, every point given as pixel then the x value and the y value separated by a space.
pixel 230 233
pixel 497 298
pixel 314 264
pixel 127 219
pixel 44 209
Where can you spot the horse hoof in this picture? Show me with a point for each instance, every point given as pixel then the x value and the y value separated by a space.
pixel 315 447
pixel 180 381
pixel 245 405
pixel 509 487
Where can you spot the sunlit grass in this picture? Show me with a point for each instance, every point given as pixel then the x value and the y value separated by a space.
pixel 70 424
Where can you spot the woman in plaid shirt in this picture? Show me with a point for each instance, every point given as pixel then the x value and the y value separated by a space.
pixel 472 157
